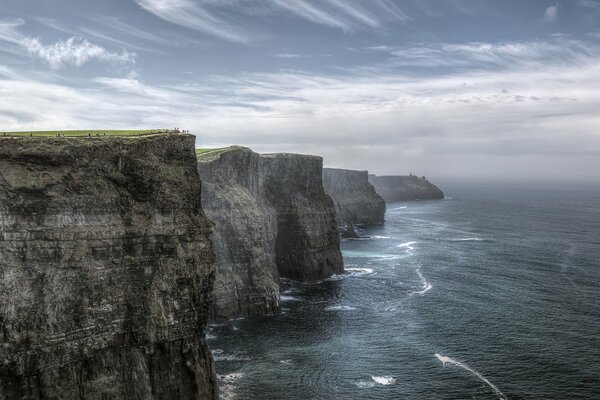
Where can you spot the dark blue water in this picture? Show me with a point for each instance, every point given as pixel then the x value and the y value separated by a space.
pixel 502 284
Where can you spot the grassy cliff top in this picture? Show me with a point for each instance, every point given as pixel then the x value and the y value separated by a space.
pixel 83 133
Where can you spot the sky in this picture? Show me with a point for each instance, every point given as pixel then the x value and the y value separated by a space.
pixel 474 89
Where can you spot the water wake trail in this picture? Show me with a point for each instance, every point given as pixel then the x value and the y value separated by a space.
pixel 425 285
pixel 447 360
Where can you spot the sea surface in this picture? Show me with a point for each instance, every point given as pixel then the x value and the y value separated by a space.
pixel 492 293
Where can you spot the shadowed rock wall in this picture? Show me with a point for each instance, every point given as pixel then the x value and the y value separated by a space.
pixel 106 270
pixel 271 217
pixel 355 199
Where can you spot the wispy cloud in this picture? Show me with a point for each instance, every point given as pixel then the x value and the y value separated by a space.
pixel 73 51
pixel 593 4
pixel 193 16
pixel 218 18
pixel 551 13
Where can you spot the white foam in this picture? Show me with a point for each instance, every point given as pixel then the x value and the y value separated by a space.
pixel 408 246
pixel 399 208
pixel 230 378
pixel 288 298
pixel 381 237
pixel 359 271
pixel 340 308
pixel 384 380
pixel 447 360
pixel 469 239
pixel 365 384
pixel 425 286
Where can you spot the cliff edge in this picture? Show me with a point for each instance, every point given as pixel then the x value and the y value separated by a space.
pixel 404 188
pixel 272 217
pixel 106 269
pixel 355 199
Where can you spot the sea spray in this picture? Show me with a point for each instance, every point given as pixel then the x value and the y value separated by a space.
pixel 425 285
pixel 447 360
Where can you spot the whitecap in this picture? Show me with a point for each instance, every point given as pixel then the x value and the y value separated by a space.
pixel 384 380
pixel 359 271
pixel 286 361
pixel 288 298
pixel 229 378
pixel 447 360
pixel 469 239
pixel 381 237
pixel 340 308
pixel 365 384
pixel 399 208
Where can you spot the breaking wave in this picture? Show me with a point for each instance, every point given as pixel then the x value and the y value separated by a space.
pixel 288 298
pixel 340 308
pixel 384 380
pixel 447 360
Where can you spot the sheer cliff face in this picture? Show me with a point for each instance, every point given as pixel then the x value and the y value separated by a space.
pixel 106 269
pixel 308 243
pixel 271 217
pixel 355 199
pixel 403 188
pixel 247 282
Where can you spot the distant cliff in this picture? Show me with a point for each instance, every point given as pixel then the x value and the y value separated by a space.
pixel 233 197
pixel 308 242
pixel 403 188
pixel 272 217
pixel 106 270
pixel 355 199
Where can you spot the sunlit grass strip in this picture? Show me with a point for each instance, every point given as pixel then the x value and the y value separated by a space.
pixel 83 133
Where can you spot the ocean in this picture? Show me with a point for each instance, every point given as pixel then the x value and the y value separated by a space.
pixel 492 293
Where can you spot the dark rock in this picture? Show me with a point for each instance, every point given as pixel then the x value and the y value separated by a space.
pixel 307 247
pixel 106 270
pixel 233 197
pixel 272 218
pixel 355 199
pixel 348 232
pixel 404 188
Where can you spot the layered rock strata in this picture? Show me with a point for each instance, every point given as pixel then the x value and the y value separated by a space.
pixel 404 188
pixel 272 217
pixel 106 270
pixel 247 282
pixel 355 199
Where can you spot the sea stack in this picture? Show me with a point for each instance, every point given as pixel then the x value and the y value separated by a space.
pixel 355 199
pixel 106 269
pixel 272 217
pixel 404 188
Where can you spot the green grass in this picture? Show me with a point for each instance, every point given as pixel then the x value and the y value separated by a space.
pixel 84 133
pixel 200 152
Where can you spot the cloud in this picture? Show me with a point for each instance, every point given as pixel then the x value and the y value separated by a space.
pixel 531 104
pixel 551 13
pixel 593 4
pixel 193 16
pixel 74 51
pixel 221 18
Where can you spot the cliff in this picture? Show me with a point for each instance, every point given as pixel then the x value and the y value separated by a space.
pixel 403 188
pixel 307 247
pixel 272 217
pixel 106 269
pixel 247 282
pixel 355 199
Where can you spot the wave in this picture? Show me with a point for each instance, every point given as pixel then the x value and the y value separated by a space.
pixel 384 380
pixel 381 237
pixel 288 298
pixel 399 208
pixel 469 239
pixel 408 246
pixel 365 384
pixel 340 308
pixel 425 285
pixel 220 355
pixel 447 360
pixel 350 272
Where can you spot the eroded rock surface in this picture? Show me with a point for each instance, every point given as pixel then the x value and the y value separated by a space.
pixel 355 199
pixel 247 282
pixel 106 270
pixel 404 188
pixel 272 217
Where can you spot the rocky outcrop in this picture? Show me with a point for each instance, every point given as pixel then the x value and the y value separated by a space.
pixel 272 218
pixel 106 270
pixel 348 232
pixel 404 188
pixel 355 199
pixel 307 247
pixel 233 197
